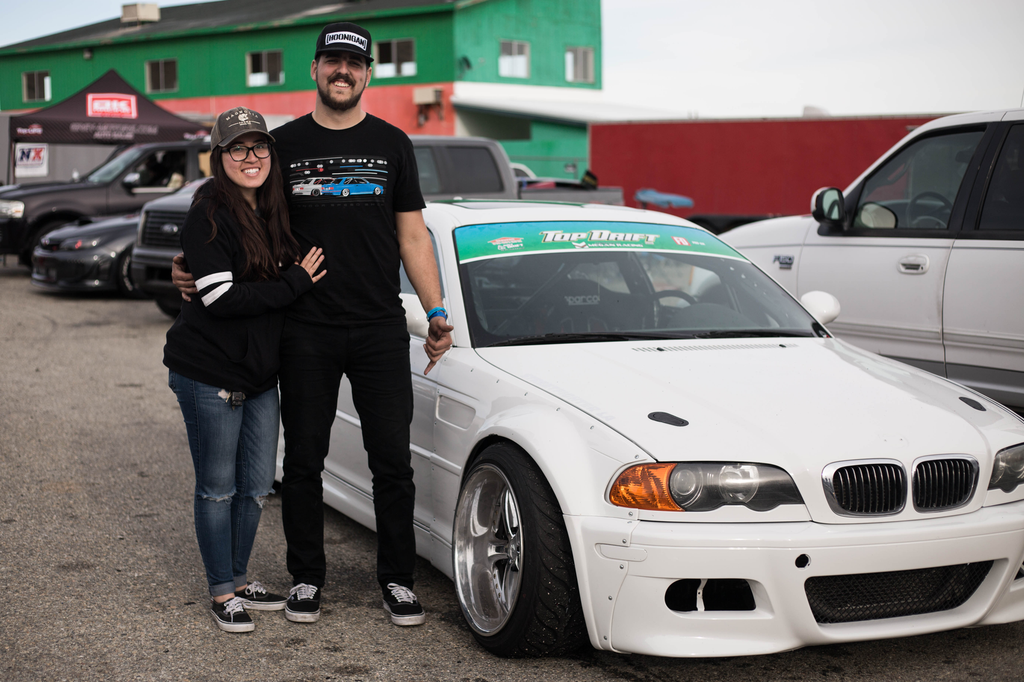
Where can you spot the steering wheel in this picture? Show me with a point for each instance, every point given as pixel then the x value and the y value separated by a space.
pixel 668 293
pixel 917 214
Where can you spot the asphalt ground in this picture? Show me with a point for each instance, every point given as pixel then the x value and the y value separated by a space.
pixel 100 575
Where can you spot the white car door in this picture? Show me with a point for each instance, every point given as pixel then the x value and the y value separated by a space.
pixel 887 268
pixel 983 323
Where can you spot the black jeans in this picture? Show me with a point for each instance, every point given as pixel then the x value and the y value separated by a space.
pixel 376 361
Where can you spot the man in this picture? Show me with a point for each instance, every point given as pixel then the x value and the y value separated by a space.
pixel 367 217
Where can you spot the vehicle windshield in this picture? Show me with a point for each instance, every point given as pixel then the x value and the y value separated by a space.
pixel 558 282
pixel 115 166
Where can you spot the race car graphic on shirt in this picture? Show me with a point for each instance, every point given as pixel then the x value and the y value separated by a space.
pixel 339 178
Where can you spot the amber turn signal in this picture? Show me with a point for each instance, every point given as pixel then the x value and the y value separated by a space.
pixel 644 486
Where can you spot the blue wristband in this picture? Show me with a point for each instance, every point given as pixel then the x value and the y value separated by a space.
pixel 434 312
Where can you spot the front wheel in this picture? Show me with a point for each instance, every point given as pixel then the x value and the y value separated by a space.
pixel 514 572
pixel 169 305
pixel 125 284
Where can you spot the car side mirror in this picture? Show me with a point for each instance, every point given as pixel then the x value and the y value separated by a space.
pixel 828 207
pixel 415 318
pixel 822 306
pixel 131 180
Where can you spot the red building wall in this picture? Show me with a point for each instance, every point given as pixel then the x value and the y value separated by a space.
pixel 742 167
pixel 393 103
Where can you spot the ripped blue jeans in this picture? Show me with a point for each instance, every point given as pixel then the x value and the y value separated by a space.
pixel 233 452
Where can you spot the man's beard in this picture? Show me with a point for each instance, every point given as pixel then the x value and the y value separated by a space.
pixel 325 96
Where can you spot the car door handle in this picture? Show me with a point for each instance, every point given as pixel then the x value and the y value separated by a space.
pixel 913 265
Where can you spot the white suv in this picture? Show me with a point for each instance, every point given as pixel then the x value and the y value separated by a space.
pixel 925 252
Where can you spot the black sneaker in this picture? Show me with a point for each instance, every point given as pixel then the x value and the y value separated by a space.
pixel 303 604
pixel 403 606
pixel 254 596
pixel 231 616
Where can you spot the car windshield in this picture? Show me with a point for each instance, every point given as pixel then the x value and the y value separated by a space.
pixel 558 282
pixel 117 165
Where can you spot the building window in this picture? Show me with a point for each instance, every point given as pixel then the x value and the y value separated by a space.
pixel 35 86
pixel 264 68
pixel 579 64
pixel 162 75
pixel 394 58
pixel 514 61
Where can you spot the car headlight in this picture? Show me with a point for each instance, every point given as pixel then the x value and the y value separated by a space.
pixel 703 486
pixel 12 209
pixel 77 243
pixel 1008 469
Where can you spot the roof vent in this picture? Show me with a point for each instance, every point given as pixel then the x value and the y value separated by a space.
pixel 140 13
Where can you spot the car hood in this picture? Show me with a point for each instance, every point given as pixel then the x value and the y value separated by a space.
pixel 27 191
pixel 98 227
pixel 796 403
pixel 787 230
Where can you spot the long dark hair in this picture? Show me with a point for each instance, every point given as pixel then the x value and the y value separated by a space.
pixel 264 247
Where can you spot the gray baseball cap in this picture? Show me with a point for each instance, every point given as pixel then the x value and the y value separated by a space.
pixel 235 122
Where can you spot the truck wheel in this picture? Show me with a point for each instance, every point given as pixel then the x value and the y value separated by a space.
pixel 515 578
pixel 125 284
pixel 169 305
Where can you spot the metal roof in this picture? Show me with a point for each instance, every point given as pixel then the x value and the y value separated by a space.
pixel 227 15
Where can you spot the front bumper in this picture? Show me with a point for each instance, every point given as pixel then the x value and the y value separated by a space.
pixel 625 569
pixel 92 270
pixel 151 269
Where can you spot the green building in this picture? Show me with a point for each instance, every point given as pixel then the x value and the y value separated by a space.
pixel 452 67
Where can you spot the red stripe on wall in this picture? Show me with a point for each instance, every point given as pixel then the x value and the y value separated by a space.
pixel 393 103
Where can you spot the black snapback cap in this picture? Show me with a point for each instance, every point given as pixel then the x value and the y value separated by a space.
pixel 344 36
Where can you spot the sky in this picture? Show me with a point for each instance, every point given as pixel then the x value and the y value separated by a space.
pixel 752 58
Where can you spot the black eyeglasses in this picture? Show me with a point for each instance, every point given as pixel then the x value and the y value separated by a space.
pixel 239 152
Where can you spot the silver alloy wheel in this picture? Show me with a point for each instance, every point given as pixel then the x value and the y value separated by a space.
pixel 488 544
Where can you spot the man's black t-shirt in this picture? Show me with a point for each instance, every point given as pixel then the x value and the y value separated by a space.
pixel 344 188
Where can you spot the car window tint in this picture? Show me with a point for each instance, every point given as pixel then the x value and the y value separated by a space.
pixel 164 168
pixel 1004 202
pixel 917 187
pixel 427 166
pixel 474 170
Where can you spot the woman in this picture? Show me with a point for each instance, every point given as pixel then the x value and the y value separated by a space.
pixel 222 352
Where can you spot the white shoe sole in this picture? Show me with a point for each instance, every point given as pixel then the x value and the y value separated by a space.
pixel 301 617
pixel 418 619
pixel 233 627
pixel 262 606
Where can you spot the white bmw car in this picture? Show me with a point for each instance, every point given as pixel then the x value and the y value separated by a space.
pixel 642 441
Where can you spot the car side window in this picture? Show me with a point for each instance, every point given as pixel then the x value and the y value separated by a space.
pixel 917 187
pixel 1004 202
pixel 162 169
pixel 204 164
pixel 430 182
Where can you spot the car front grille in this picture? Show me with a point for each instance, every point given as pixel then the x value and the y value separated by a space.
pixel 879 487
pixel 162 228
pixel 944 483
pixel 871 596
pixel 867 488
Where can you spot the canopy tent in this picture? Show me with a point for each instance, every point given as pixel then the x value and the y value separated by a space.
pixel 107 111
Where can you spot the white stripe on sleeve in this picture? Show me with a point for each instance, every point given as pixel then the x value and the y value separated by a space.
pixel 215 294
pixel 204 282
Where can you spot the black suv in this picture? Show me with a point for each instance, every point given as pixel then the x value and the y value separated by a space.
pixel 129 179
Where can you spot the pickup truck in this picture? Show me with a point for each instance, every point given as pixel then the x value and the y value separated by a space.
pixel 124 183
pixel 924 252
pixel 449 168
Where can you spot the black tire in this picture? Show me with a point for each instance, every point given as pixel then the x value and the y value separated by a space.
pixel 506 508
pixel 169 305
pixel 344 192
pixel 123 275
pixel 314 192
